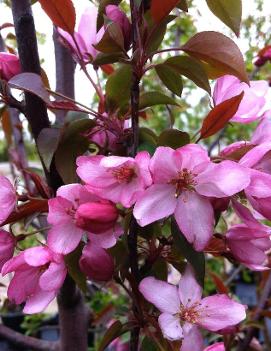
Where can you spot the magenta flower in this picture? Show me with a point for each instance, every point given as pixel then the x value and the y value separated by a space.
pixel 219 346
pixel 86 36
pixel 7 199
pixel 183 310
pixel 264 55
pixel 253 104
pixel 39 274
pixel 96 263
pixel 74 212
pixel 183 181
pixel 9 65
pixel 114 13
pixel 119 179
pixel 7 246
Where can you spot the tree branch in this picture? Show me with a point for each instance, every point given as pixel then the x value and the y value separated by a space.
pixel 19 339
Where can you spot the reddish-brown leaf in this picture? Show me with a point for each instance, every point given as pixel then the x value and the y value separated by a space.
pixel 7 127
pixel 219 51
pixel 61 12
pixel 220 286
pixel 161 8
pixel 27 209
pixel 219 116
pixel 108 69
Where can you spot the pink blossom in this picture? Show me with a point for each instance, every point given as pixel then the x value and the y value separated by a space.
pixel 254 101
pixel 39 274
pixel 117 16
pixel 9 65
pixel 219 346
pixel 7 198
pixel 183 181
pixel 183 310
pixel 86 35
pixel 7 246
pixel 74 212
pixel 264 55
pixel 119 179
pixel 262 133
pixel 96 263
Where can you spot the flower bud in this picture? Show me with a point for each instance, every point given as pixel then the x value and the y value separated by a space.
pixel 7 245
pixel 96 217
pixel 96 263
pixel 117 16
pixel 9 65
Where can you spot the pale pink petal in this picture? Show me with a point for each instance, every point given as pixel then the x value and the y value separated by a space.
pixel 260 185
pixel 14 264
pixel 76 193
pixel 37 256
pixel 59 209
pixel 7 246
pixel 53 278
pixel 189 289
pixel 163 165
pixel 143 161
pixel 116 161
pixel 262 133
pixel 221 180
pixel 193 337
pixel 156 203
pixel 163 295
pixel 39 301
pixel 255 155
pixel 107 239
pixel 170 326
pixel 262 206
pixel 64 238
pixel 219 312
pixel 7 198
pixel 192 156
pixel 245 215
pixel 192 206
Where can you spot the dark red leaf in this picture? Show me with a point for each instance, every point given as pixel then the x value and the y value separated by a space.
pixel 61 12
pixel 108 69
pixel 219 116
pixel 220 286
pixel 161 8
pixel 219 51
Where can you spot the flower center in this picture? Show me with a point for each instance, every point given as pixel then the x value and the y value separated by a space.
pixel 189 314
pixel 184 181
pixel 124 174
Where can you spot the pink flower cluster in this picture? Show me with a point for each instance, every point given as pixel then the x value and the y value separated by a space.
pixel 9 65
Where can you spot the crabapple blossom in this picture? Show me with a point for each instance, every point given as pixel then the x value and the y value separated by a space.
pixel 183 309
pixel 74 212
pixel 183 180
pixel 254 101
pixel 96 263
pixel 117 16
pixel 86 35
pixel 9 65
pixel 119 179
pixel 263 56
pixel 7 198
pixel 38 275
pixel 7 246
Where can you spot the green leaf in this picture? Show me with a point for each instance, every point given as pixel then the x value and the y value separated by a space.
pixel 196 259
pixel 156 32
pixel 72 145
pixel 148 345
pixel 169 77
pixel 190 68
pixel 118 87
pixel 48 141
pixel 111 334
pixel 173 138
pixel 160 269
pixel 104 59
pixel 228 11
pixel 155 98
pixel 72 263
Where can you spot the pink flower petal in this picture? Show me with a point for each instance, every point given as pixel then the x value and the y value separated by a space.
pixel 219 312
pixel 189 289
pixel 64 238
pixel 255 155
pixel 190 206
pixel 39 301
pixel 7 199
pixel 163 295
pixel 194 338
pixel 53 278
pixel 163 165
pixel 170 326
pixel 221 180
pixel 219 346
pixel 37 256
pixel 260 185
pixel 156 203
